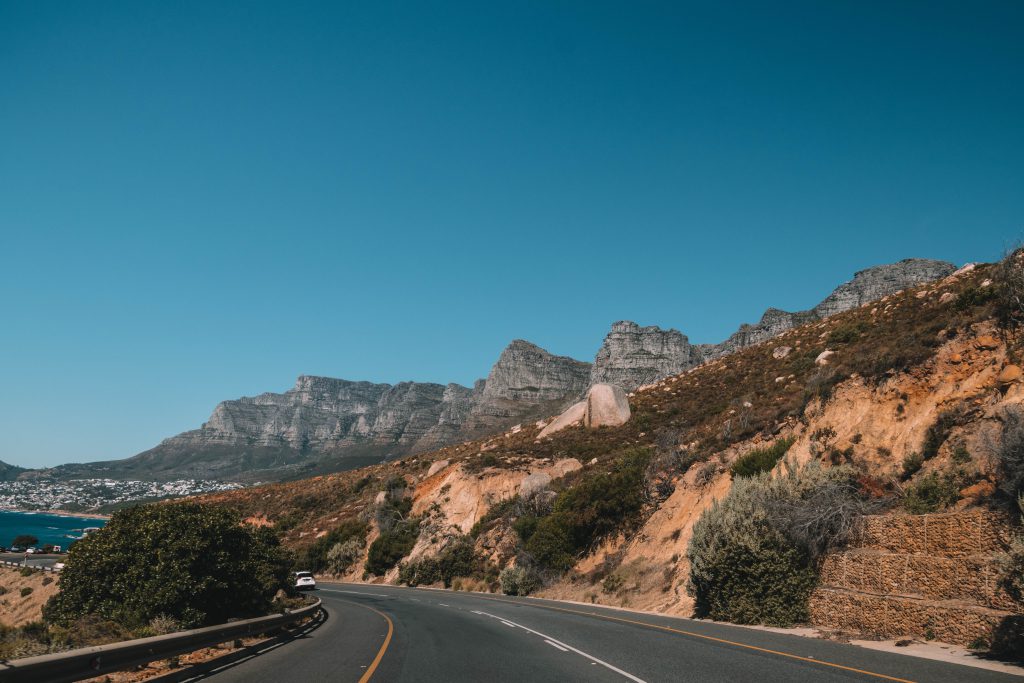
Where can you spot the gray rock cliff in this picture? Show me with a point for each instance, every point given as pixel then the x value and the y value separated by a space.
pixel 632 356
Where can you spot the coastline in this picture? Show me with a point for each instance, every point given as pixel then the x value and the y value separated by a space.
pixel 59 513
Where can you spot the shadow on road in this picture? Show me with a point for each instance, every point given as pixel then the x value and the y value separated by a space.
pixel 198 672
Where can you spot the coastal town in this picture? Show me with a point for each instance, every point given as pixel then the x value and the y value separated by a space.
pixel 83 495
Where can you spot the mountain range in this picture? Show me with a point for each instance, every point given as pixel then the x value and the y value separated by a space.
pixel 324 424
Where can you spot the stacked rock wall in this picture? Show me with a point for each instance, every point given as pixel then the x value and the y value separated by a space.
pixel 927 576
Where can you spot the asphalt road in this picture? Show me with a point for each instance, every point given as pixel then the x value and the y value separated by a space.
pixel 385 633
pixel 35 560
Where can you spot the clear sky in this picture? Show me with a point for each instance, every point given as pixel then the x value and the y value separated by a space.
pixel 203 200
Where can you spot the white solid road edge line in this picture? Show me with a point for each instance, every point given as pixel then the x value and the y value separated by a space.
pixel 556 646
pixel 553 641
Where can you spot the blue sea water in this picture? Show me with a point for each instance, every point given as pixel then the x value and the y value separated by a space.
pixel 55 529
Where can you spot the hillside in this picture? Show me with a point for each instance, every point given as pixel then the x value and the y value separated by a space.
pixel 324 424
pixel 912 393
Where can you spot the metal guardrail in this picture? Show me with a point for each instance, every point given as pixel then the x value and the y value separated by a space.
pixel 86 662
pixel 22 565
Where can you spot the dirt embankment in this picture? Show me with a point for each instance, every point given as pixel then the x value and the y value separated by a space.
pixel 23 597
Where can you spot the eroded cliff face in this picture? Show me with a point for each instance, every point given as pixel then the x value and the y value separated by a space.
pixel 527 381
pixel 632 356
pixel 327 423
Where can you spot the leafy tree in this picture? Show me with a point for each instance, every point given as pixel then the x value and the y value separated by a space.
pixel 194 563
pixel 24 541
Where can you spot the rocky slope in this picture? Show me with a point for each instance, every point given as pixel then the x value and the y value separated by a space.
pixel 324 424
pixel 925 368
pixel 633 356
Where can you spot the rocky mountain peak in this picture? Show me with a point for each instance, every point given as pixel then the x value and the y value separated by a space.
pixel 632 356
pixel 526 372
pixel 874 283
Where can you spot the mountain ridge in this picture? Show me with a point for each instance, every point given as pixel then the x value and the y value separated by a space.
pixel 323 423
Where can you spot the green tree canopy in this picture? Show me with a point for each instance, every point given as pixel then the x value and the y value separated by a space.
pixel 195 563
pixel 24 541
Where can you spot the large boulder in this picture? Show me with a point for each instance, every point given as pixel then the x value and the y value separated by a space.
pixel 437 467
pixel 572 415
pixel 606 406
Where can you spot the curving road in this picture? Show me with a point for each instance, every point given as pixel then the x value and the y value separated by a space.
pixel 386 633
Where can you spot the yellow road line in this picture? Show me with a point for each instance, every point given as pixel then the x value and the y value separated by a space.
pixel 705 637
pixel 368 674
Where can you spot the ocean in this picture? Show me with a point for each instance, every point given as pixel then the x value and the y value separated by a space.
pixel 56 529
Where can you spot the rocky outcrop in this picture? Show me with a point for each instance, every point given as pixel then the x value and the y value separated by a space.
pixel 874 283
pixel 324 424
pixel 632 356
pixel 526 382
pixel 867 285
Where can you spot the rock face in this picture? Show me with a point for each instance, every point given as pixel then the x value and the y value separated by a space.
pixel 325 424
pixel 526 382
pixel 632 356
pixel 867 285
pixel 607 406
pixel 874 283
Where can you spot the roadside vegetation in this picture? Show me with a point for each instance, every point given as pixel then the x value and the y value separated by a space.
pixel 764 540
pixel 754 554
pixel 156 569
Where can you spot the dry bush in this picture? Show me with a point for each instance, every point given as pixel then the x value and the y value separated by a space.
pixel 754 554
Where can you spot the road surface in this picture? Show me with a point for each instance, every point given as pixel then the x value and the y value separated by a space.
pixel 34 560
pixel 386 633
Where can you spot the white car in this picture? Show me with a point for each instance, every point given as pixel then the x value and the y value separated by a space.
pixel 304 581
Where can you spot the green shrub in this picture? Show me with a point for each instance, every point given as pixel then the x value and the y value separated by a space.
pixel 518 580
pixel 590 511
pixel 974 296
pixel 1008 283
pixel 850 332
pixel 314 558
pixel 1010 454
pixel 1012 580
pixel 938 432
pixel 495 512
pixel 761 459
pixel 419 572
pixel 931 494
pixel 754 554
pixel 459 559
pixel 961 455
pixel 525 526
pixel 195 563
pixel 391 546
pixel 343 555
pixel 26 591
pixel 912 464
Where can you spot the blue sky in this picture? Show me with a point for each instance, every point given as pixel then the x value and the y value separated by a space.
pixel 203 200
